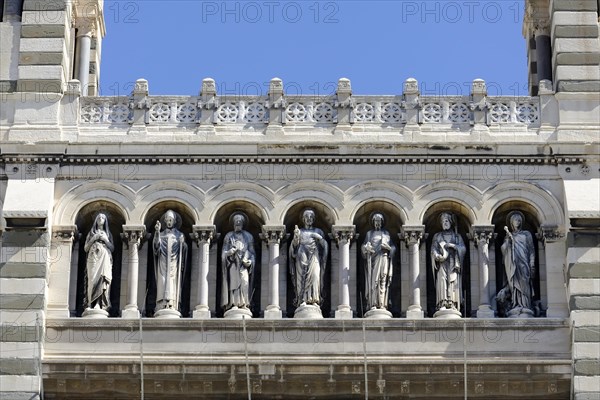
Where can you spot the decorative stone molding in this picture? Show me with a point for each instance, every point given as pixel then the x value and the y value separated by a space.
pixel 412 234
pixel 273 234
pixel 64 233
pixel 204 234
pixel 133 235
pixel 550 234
pixel 482 234
pixel 343 233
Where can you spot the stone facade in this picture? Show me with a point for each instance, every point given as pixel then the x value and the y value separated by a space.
pixel 66 155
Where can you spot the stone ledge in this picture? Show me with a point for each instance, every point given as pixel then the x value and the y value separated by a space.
pixel 570 31
pixel 586 384
pixel 44 6
pixel 578 59
pixel 579 86
pixel 587 396
pixel 575 5
pixel 21 301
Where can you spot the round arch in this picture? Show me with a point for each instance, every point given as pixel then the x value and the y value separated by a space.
pixel 177 192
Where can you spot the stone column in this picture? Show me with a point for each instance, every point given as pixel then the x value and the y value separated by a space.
pixel 203 236
pixel 481 237
pixel 273 235
pixel 555 249
pixel 412 236
pixel 132 239
pixel 276 105
pixel 59 278
pixel 543 51
pixel 344 234
pixel 85 30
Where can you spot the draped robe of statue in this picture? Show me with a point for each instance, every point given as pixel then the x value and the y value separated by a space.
pixel 237 276
pixel 378 268
pixel 447 265
pixel 99 247
pixel 170 252
pixel 308 263
pixel 518 255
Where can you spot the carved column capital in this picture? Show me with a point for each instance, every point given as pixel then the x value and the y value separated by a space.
pixel 133 234
pixel 64 233
pixel 85 27
pixel 549 234
pixel 343 233
pixel 481 234
pixel 413 234
pixel 204 234
pixel 273 234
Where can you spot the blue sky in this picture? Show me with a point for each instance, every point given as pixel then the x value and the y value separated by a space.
pixel 311 44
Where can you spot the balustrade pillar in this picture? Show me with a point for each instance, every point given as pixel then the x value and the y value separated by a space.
pixel 481 236
pixel 412 236
pixel 273 235
pixel 204 237
pixel 344 236
pixel 132 236
pixel 277 105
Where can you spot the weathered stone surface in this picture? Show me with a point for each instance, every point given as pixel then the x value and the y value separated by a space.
pixel 586 350
pixel 584 303
pixel 578 59
pixel 45 18
pixel 576 31
pixel 569 45
pixel 585 318
pixel 19 395
pixel 587 367
pixel 577 72
pixel 25 239
pixel 19 366
pixel 45 45
pixel 584 270
pixel 22 270
pixel 578 86
pixel 586 384
pixel 574 5
pixel 41 58
pixel 584 287
pixel 587 396
pixel 19 333
pixel 21 301
pixel 587 334
pixel 44 6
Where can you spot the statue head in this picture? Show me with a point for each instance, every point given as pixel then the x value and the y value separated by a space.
pixel 100 220
pixel 308 217
pixel 377 220
pixel 239 220
pixel 515 220
pixel 446 220
pixel 170 219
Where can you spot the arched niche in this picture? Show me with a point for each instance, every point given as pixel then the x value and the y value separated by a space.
pixel 223 225
pixel 532 225
pixel 324 219
pixel 155 212
pixel 84 221
pixel 393 224
pixel 431 221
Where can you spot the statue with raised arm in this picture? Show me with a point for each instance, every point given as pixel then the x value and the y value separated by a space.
pixel 308 260
pixel 378 253
pixel 99 247
pixel 447 255
pixel 170 252
pixel 237 260
pixel 518 255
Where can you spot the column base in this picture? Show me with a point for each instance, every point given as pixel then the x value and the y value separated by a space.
pixel 485 311
pixel 415 313
pixel 238 313
pixel 273 312
pixel 95 313
pixel 201 312
pixel 343 312
pixel 130 313
pixel 308 311
pixel 57 312
pixel 378 313
pixel 447 313
pixel 167 313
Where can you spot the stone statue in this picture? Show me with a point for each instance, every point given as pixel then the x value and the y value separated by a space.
pixel 518 255
pixel 170 253
pixel 378 252
pixel 447 255
pixel 308 260
pixel 238 261
pixel 99 247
